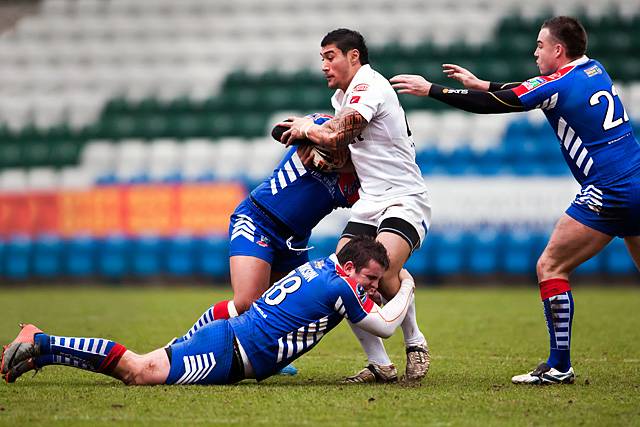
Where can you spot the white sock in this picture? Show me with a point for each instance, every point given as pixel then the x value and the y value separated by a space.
pixel 410 329
pixel 372 345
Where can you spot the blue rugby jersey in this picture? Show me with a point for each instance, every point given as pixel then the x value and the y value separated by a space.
pixel 292 188
pixel 584 109
pixel 296 312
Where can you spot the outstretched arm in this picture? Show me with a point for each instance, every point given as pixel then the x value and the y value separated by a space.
pixel 470 81
pixel 384 321
pixel 474 101
pixel 334 134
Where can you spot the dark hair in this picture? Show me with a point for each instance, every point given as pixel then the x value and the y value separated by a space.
pixel 570 33
pixel 362 249
pixel 345 40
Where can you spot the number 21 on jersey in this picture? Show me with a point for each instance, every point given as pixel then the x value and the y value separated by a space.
pixel 609 122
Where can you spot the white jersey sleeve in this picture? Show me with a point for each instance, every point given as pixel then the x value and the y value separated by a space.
pixel 382 322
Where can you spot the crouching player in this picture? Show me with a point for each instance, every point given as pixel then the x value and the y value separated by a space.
pixel 269 230
pixel 287 321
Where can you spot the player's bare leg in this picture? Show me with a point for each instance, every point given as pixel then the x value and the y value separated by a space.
pixel 571 244
pixel 143 369
pixel 418 358
pixel 250 277
pixel 633 246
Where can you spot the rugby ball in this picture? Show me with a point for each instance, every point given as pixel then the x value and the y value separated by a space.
pixel 318 118
pixel 277 132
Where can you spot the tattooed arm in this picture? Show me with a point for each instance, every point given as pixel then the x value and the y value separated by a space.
pixel 334 134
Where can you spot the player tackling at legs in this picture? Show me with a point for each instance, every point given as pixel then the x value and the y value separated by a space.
pixel 394 205
pixel 289 319
pixel 269 231
pixel 596 138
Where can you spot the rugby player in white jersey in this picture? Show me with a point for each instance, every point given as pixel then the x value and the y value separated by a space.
pixel 394 204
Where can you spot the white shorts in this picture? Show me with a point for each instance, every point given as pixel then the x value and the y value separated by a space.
pixel 408 216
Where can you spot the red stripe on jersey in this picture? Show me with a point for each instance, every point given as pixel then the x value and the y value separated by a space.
pixel 349 185
pixel 537 82
pixel 361 295
pixel 365 302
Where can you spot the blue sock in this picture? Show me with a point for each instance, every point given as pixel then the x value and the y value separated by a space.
pixel 92 354
pixel 206 318
pixel 558 311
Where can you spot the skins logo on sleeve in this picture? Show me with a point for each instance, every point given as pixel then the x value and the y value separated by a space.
pixel 354 100
pixel 361 293
pixel 534 82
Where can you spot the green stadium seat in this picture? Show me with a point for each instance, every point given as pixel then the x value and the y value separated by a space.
pixel 279 99
pixel 221 124
pixel 64 153
pixel 35 153
pixel 10 154
pixel 253 125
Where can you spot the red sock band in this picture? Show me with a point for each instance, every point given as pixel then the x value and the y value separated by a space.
pixel 221 310
pixel 552 287
pixel 111 361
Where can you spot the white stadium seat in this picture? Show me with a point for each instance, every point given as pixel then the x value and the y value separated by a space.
pixel 41 179
pixel 13 180
pixel 197 159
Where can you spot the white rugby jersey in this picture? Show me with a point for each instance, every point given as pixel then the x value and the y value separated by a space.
pixel 384 155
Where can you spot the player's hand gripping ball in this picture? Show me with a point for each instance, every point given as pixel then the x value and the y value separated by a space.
pixel 324 159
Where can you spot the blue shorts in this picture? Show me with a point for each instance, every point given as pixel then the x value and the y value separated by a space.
pixel 613 209
pixel 253 233
pixel 205 358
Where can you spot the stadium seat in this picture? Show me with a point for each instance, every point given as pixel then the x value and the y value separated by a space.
pixel 17 258
pixel 180 256
pixel 197 160
pixel 132 160
pixel 449 252
pixel 484 251
pixel 617 259
pixel 518 252
pixel 114 254
pixel 592 266
pixel 212 257
pixel 146 256
pixel 418 263
pixel 164 161
pixel 47 257
pixel 79 257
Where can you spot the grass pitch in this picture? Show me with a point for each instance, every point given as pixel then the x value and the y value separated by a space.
pixel 479 338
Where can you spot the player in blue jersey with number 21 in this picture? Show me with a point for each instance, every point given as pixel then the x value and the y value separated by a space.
pixel 288 320
pixel 596 139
